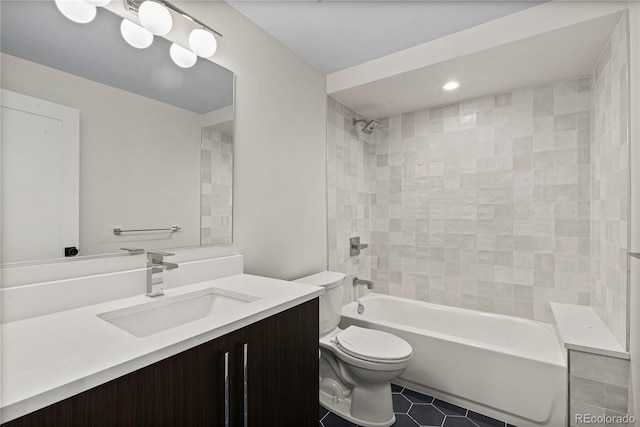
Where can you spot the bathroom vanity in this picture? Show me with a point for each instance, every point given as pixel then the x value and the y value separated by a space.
pixel 189 388
pixel 250 364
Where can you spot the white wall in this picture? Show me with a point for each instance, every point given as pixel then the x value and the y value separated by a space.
pixel 139 159
pixel 280 148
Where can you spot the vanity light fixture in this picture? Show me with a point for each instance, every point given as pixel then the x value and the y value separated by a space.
pixel 156 18
pixel 99 3
pixel 451 85
pixel 78 11
pixel 202 43
pixel 181 56
pixel 135 35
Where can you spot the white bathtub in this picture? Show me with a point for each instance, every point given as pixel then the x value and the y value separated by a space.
pixel 505 367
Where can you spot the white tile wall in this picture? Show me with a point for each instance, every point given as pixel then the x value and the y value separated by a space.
pixel 351 172
pixel 598 386
pixel 610 182
pixel 484 204
pixel 216 188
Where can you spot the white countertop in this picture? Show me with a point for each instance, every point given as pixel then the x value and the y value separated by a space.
pixel 48 358
pixel 581 329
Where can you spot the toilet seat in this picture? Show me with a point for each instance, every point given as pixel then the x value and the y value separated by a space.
pixel 373 345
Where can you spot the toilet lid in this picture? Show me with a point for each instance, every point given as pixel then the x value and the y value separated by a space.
pixel 369 344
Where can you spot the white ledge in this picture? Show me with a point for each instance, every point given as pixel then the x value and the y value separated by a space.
pixel 580 328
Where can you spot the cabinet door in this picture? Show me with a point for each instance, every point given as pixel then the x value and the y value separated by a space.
pixel 283 369
pixel 187 389
pixel 183 390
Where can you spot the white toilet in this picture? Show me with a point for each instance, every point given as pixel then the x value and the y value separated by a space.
pixel 357 365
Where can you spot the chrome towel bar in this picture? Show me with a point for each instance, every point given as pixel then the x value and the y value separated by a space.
pixel 173 229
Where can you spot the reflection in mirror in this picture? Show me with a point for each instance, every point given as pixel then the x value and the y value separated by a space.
pixel 98 135
pixel 217 176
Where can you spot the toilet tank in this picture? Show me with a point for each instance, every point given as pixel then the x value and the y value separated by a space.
pixel 331 300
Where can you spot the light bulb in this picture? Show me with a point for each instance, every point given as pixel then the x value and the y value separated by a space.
pixel 155 17
pixel 98 3
pixel 451 86
pixel 77 10
pixel 135 35
pixel 202 43
pixel 182 57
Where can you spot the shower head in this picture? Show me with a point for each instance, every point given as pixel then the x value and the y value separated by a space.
pixel 369 126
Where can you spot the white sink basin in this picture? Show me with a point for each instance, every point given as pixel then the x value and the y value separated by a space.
pixel 168 312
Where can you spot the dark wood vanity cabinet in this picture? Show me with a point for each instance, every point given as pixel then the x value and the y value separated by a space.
pixel 188 389
pixel 283 369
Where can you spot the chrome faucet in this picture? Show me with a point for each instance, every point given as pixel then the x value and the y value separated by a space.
pixel 357 282
pixel 155 265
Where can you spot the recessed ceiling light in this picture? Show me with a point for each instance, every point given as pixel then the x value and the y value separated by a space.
pixel 451 86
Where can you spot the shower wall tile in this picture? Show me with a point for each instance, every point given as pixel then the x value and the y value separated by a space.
pixel 598 387
pixel 351 174
pixel 216 188
pixel 606 369
pixel 610 182
pixel 489 205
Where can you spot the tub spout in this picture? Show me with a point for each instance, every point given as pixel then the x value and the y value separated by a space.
pixel 357 282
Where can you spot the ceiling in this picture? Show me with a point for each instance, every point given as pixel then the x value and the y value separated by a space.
pixel 334 35
pixel 365 45
pixel 554 56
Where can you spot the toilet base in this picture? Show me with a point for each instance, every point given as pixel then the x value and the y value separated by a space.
pixel 342 407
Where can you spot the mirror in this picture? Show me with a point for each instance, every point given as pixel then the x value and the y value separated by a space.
pixel 99 136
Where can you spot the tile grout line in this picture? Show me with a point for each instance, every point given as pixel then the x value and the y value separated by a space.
pixel 439 410
pixel 409 415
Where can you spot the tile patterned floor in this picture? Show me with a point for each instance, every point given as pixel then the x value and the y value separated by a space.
pixel 413 409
